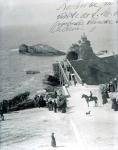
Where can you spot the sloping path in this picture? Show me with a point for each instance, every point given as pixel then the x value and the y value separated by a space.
pixel 97 131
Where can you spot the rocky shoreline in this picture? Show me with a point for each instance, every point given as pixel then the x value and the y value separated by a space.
pixel 26 101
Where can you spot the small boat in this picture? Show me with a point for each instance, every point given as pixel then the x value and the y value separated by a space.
pixel 32 72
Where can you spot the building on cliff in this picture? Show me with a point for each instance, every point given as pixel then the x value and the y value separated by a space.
pixel 81 50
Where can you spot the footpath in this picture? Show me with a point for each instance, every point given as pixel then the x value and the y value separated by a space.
pixel 97 130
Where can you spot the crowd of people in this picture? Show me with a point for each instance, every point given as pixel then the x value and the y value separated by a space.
pixel 53 102
pixel 111 87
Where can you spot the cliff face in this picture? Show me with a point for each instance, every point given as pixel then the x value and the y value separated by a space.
pixel 85 51
pixel 97 71
pixel 39 50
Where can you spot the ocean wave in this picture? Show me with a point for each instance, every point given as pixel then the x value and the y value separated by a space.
pixel 26 83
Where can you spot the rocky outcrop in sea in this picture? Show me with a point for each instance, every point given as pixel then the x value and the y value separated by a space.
pixel 39 50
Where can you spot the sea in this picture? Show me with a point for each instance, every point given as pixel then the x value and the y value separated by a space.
pixel 13 77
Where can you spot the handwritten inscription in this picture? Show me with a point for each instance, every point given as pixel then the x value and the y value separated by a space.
pixel 72 17
pixel 66 26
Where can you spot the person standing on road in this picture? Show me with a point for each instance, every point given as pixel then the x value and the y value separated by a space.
pixel 91 95
pixel 53 141
pixel 55 106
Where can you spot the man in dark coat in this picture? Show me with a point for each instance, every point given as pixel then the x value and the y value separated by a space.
pixel 91 95
pixel 74 80
pixel 104 98
pixel 50 105
pixel 115 83
pixel 114 104
pixel 1 111
pixel 69 77
pixel 55 106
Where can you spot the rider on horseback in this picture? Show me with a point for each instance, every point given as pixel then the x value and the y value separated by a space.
pixel 91 95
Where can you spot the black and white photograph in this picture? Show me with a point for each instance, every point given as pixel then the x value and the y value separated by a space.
pixel 58 74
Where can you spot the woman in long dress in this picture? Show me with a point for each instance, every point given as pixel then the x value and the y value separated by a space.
pixel 53 141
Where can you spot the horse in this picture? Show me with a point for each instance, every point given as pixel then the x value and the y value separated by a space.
pixel 88 99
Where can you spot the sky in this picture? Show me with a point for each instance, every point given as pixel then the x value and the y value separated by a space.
pixel 29 22
pixel 20 12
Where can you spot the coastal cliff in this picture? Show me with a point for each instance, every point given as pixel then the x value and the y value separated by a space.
pixel 39 50
pixel 93 70
pixel 81 50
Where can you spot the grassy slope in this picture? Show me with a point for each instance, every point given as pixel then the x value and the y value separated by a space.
pixel 97 71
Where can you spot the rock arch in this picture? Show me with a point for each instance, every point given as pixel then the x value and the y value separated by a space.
pixel 72 55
